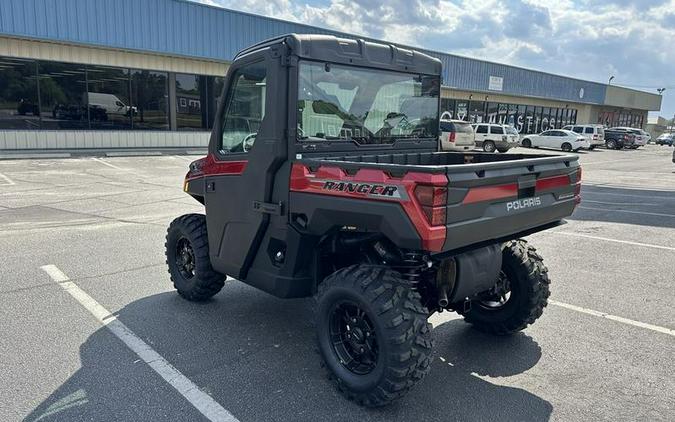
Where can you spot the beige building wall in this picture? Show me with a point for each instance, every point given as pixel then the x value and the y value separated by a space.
pixel 42 50
pixel 629 98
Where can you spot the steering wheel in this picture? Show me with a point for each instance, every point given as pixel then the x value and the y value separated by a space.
pixel 248 141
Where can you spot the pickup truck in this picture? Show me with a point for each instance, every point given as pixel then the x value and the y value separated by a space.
pixel 619 138
pixel 322 179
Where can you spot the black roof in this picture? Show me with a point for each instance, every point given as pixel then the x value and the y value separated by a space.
pixel 358 52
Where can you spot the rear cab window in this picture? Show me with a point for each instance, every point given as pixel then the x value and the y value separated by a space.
pixel 497 130
pixel 589 130
pixel 481 129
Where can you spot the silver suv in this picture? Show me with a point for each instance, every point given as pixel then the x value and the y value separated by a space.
pixel 491 137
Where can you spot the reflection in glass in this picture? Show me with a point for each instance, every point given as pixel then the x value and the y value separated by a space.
pixel 63 99
pixel 19 107
pixel 191 105
pixel 108 98
pixel 149 92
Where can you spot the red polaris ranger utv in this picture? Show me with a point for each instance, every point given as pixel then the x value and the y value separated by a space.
pixel 323 179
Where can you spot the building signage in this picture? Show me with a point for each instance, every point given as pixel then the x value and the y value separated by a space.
pixel 496 83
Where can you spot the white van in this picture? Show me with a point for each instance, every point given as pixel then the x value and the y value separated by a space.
pixel 110 103
pixel 594 134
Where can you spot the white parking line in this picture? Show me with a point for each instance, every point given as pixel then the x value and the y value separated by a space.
pixel 657 214
pixel 189 390
pixel 184 158
pixel 622 320
pixel 9 181
pixel 105 163
pixel 607 239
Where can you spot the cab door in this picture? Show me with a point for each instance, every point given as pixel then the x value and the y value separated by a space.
pixel 246 150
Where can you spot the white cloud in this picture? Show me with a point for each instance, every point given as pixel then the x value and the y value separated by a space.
pixel 590 39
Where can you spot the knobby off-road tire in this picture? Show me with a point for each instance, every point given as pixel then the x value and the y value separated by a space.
pixel 187 256
pixel 392 323
pixel 529 291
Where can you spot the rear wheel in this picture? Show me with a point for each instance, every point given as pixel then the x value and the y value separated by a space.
pixel 591 148
pixel 611 144
pixel 527 143
pixel 503 150
pixel 567 147
pixel 489 146
pixel 187 256
pixel 373 334
pixel 518 298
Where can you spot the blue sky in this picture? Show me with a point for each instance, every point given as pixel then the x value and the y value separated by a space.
pixel 588 39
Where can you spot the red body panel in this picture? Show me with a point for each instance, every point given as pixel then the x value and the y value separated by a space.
pixel 210 166
pixel 433 237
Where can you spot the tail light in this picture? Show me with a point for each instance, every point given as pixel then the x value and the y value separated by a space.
pixel 451 137
pixel 577 188
pixel 595 137
pixel 433 200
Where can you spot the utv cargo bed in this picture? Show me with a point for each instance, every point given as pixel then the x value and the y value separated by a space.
pixel 455 200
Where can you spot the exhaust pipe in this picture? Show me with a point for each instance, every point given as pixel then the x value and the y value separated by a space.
pixel 443 297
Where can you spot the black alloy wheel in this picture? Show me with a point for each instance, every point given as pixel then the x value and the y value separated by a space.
pixel 353 338
pixel 185 258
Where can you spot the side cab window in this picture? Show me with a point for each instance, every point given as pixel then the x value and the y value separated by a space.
pixel 481 129
pixel 245 109
pixel 496 130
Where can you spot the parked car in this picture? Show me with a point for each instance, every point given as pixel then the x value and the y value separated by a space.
pixel 594 133
pixel 616 138
pixel 641 137
pixel 565 140
pixel 456 135
pixel 666 139
pixel 491 137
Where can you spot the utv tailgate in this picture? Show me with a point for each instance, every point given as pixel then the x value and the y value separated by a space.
pixel 456 200
pixel 492 201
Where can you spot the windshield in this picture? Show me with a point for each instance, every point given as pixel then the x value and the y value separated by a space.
pixel 365 106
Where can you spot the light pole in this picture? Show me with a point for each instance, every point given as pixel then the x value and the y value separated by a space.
pixel 660 90
pixel 611 78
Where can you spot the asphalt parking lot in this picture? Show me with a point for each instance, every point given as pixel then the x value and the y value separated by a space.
pixel 603 350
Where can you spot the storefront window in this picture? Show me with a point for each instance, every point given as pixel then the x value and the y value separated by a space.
pixel 108 98
pixel 520 119
pixel 19 107
pixel 214 87
pixel 447 108
pixel 63 96
pixel 476 111
pixel 191 103
pixel 149 94
pixel 546 119
pixel 492 113
pixel 573 117
pixel 462 111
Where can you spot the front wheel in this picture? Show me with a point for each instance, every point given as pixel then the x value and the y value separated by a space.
pixel 187 256
pixel 373 334
pixel 518 298
pixel 611 144
pixel 489 146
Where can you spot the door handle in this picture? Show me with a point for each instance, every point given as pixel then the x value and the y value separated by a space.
pixel 268 208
